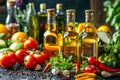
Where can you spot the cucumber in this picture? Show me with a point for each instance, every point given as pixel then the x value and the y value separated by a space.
pixel 5 49
pixel 16 46
pixel 2 35
pixel 2 44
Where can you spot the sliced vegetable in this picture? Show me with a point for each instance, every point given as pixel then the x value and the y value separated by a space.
pixel 5 49
pixel 16 46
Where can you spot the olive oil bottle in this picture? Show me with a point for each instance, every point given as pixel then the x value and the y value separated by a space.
pixel 50 35
pixel 60 18
pixel 70 39
pixel 89 45
pixel 42 19
pixel 32 22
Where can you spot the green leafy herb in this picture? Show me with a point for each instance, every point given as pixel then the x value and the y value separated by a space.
pixel 112 10
pixel 84 64
pixel 61 63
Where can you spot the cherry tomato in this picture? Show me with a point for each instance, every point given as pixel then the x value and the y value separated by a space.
pixel 20 54
pixel 41 58
pixel 30 44
pixel 30 62
pixel 49 53
pixel 90 69
pixel 7 59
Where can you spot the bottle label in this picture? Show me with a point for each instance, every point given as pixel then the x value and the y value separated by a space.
pixel 51 39
pixel 87 51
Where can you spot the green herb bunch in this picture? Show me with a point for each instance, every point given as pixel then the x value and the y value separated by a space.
pixel 112 55
pixel 112 10
pixel 61 63
pixel 21 17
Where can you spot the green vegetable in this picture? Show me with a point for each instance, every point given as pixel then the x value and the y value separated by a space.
pixel 16 46
pixel 111 60
pixel 83 64
pixel 2 35
pixel 5 49
pixel 61 63
pixel 112 55
pixel 112 10
pixel 2 44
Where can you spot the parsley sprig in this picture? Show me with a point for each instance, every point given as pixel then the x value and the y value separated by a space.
pixel 61 63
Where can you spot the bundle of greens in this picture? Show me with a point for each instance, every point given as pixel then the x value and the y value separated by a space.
pixel 61 63
pixel 112 55
pixel 112 10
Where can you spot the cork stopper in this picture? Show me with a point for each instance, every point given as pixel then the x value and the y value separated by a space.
pixel 89 14
pixel 51 12
pixel 59 6
pixel 42 6
pixel 89 11
pixel 70 14
pixel 11 3
pixel 31 4
pixel 70 11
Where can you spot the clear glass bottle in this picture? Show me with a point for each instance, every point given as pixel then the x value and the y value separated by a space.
pixel 60 18
pixel 11 21
pixel 89 45
pixel 32 22
pixel 70 39
pixel 50 35
pixel 42 19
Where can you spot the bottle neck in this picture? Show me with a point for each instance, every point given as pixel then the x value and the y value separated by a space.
pixel 51 22
pixel 89 23
pixel 32 10
pixel 70 22
pixel 11 17
pixel 59 11
pixel 43 10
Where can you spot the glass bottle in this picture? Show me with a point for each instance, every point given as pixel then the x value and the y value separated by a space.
pixel 60 18
pixel 50 35
pixel 42 18
pixel 70 39
pixel 11 21
pixel 89 43
pixel 32 22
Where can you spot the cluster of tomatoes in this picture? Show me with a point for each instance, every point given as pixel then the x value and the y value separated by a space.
pixel 30 56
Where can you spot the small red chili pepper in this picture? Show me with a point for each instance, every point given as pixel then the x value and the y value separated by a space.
pixel 77 67
pixel 46 67
pixel 94 61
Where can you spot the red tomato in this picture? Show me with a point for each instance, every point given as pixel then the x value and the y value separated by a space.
pixel 41 58
pixel 30 62
pixel 30 44
pixel 49 53
pixel 7 59
pixel 90 69
pixel 20 54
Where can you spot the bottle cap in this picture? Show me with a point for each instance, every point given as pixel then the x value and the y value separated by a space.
pixel 43 6
pixel 89 14
pixel 11 3
pixel 70 11
pixel 59 6
pixel 89 11
pixel 31 4
pixel 51 10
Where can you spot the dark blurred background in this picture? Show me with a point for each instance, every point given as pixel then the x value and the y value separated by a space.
pixel 79 5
